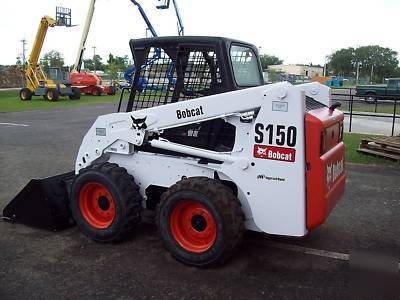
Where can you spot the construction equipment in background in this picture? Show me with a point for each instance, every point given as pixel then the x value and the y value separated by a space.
pixel 165 5
pixel 88 82
pixel 131 70
pixel 36 81
pixel 212 155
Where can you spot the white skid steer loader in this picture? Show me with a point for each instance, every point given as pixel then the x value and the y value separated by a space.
pixel 205 146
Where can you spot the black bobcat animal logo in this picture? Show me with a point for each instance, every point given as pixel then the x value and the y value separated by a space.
pixel 139 124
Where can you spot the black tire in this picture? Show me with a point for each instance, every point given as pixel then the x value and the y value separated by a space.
pixel 112 92
pixel 76 94
pixel 52 95
pixel 218 201
pixel 125 196
pixel 25 94
pixel 371 98
pixel 96 91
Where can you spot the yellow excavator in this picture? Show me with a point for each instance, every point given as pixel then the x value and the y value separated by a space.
pixel 36 81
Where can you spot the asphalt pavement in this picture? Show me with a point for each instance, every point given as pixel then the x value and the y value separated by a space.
pixel 38 264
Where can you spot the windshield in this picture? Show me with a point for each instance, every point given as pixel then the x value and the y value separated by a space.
pixel 245 66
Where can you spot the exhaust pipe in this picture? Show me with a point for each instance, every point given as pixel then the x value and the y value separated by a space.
pixel 43 203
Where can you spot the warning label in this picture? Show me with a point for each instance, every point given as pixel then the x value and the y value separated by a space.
pixel 275 153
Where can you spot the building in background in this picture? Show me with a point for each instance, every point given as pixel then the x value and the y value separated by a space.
pixel 298 70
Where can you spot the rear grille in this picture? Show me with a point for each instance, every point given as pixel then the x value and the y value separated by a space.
pixel 312 104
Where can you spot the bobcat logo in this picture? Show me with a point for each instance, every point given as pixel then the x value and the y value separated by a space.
pixel 139 124
pixel 262 151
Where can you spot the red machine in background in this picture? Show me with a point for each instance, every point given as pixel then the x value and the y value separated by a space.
pixel 88 82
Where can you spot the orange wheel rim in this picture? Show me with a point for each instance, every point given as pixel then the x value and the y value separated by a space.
pixel 193 226
pixel 96 205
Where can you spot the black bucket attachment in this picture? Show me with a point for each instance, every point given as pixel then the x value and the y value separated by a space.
pixel 42 203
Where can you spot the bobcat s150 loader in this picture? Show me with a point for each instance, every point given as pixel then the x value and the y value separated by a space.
pixel 205 146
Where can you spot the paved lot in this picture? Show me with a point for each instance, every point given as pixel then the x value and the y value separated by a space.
pixel 40 264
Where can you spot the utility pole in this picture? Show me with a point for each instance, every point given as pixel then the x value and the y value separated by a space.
pixel 358 72
pixel 23 41
pixel 94 57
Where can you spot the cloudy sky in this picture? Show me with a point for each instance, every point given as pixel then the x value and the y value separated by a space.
pixel 296 31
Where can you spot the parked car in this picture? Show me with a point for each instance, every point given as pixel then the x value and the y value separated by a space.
pixel 373 93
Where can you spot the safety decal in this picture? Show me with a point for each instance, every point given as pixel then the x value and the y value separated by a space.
pixel 274 153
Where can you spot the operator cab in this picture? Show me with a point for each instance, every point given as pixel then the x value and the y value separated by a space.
pixel 187 67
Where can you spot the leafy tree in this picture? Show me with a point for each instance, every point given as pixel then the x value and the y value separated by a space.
pixel 88 64
pixel 120 62
pixel 272 76
pixel 268 60
pixel 382 61
pixel 52 59
pixel 98 64
pixel 94 63
pixel 342 62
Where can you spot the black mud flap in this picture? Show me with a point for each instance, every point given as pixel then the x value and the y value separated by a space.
pixel 43 203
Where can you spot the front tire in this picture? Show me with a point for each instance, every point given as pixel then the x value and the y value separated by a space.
pixel 105 202
pixel 200 221
pixel 370 98
pixel 25 94
pixel 76 94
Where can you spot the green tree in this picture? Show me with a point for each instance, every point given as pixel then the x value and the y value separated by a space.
pixel 120 62
pixel 342 62
pixel 272 77
pixel 378 61
pixel 381 61
pixel 112 68
pixel 95 63
pixel 52 59
pixel 88 64
pixel 98 64
pixel 268 60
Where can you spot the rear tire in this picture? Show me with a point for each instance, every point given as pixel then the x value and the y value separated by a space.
pixel 112 91
pixel 76 94
pixel 200 221
pixel 52 95
pixel 105 202
pixel 25 94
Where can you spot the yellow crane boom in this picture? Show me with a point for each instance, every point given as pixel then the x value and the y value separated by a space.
pixel 34 74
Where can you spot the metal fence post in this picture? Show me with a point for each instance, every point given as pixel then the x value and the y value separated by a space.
pixel 351 111
pixel 351 93
pixel 394 116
